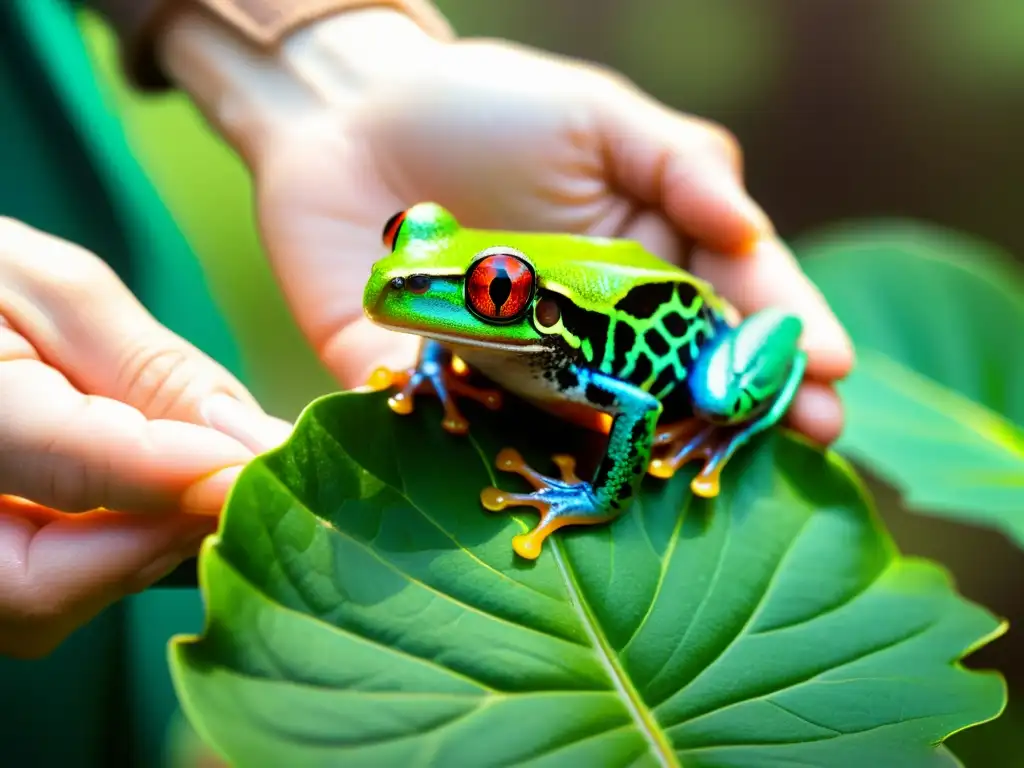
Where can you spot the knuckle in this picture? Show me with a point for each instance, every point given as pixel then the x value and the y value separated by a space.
pixel 77 480
pixel 157 379
pixel 76 272
pixel 16 237
pixel 70 484
pixel 724 142
pixel 50 263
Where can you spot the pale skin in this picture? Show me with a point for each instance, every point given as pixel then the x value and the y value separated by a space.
pixel 130 432
pixel 352 119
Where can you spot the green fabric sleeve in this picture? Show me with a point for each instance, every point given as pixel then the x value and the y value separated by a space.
pixel 104 698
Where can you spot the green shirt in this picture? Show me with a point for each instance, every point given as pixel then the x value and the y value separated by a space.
pixel 104 697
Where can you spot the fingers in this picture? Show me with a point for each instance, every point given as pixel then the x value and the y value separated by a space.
pixel 58 571
pixel 689 168
pixel 816 412
pixel 770 276
pixel 79 452
pixel 359 348
pixel 80 318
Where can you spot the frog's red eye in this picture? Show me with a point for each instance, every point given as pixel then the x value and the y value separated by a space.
pixel 499 287
pixel 391 230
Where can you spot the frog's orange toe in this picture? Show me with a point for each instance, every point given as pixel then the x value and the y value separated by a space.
pixel 455 425
pixel 493 499
pixel 509 460
pixel 382 378
pixel 401 404
pixel 660 469
pixel 706 486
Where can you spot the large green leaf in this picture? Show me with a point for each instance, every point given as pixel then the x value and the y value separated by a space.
pixel 364 610
pixel 944 304
pixel 936 401
pixel 944 452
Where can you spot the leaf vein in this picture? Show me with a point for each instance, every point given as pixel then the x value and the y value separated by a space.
pixel 916 632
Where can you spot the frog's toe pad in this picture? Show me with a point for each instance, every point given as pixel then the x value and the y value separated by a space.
pixel 706 485
pixel 661 469
pixel 712 444
pixel 383 378
pixel 455 424
pixel 561 502
pixel 509 460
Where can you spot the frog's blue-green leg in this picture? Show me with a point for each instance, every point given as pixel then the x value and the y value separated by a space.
pixel 742 384
pixel 434 370
pixel 571 501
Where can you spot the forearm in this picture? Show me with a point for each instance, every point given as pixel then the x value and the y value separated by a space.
pixel 246 91
pixel 247 73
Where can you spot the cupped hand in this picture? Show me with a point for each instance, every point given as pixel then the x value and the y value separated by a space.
pixel 506 137
pixel 118 441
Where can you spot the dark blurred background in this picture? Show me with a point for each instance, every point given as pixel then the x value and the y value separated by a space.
pixel 874 108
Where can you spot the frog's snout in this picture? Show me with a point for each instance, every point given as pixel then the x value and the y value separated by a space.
pixel 375 294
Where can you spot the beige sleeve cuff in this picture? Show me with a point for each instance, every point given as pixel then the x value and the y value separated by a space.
pixel 264 23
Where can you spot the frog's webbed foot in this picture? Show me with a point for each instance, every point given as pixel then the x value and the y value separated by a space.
pixel 741 385
pixel 568 501
pixel 682 442
pixel 434 373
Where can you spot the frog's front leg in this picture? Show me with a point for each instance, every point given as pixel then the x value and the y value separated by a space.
pixel 742 384
pixel 434 369
pixel 569 500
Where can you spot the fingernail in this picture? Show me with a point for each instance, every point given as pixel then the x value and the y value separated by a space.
pixel 250 426
pixel 206 496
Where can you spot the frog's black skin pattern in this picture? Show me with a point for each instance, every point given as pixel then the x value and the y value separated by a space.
pixel 628 363
pixel 643 300
pixel 671 336
pixel 599 397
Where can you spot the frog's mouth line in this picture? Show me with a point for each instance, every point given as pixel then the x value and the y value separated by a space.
pixel 465 341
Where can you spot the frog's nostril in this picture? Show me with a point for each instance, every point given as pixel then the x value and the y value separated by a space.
pixel 397 283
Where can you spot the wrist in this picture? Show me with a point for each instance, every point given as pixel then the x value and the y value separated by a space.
pixel 245 89
pixel 350 52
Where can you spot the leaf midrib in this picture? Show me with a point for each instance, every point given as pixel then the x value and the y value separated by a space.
pixel 642 716
pixel 659 744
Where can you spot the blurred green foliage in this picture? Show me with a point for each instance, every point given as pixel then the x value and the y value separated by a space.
pixel 936 402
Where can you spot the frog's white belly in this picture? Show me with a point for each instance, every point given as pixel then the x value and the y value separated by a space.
pixel 521 374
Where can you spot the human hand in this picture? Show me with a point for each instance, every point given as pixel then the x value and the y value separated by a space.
pixel 349 131
pixel 124 438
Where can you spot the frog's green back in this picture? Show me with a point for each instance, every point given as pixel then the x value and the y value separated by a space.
pixel 594 272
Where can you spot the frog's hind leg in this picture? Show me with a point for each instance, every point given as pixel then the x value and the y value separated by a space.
pixel 742 385
pixel 434 370
pixel 568 500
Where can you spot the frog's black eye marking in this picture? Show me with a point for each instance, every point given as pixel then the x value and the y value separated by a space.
pixel 391 230
pixel 417 284
pixel 397 283
pixel 499 287
pixel 547 313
